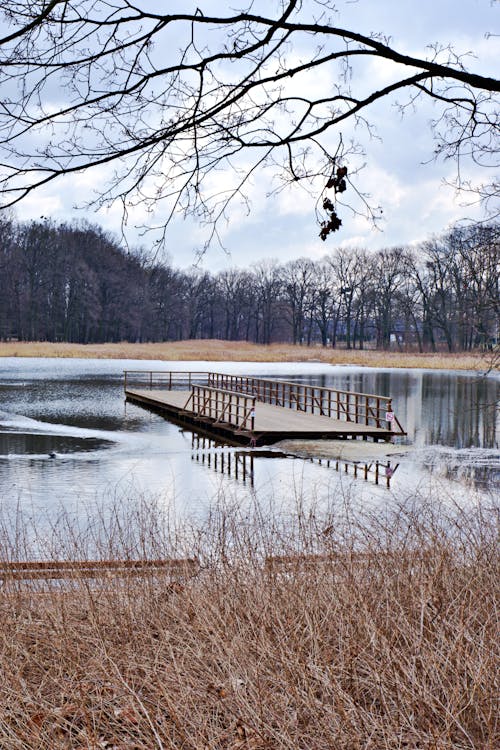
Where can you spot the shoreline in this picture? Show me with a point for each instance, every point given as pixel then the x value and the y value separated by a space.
pixel 241 351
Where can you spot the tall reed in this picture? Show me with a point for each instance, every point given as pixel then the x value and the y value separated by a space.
pixel 316 629
pixel 243 351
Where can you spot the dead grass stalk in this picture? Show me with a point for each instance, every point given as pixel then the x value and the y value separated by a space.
pixel 241 351
pixel 319 631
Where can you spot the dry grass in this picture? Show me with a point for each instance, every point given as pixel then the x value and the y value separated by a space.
pixel 367 635
pixel 240 351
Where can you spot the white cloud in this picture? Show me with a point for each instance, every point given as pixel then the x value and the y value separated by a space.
pixel 40 204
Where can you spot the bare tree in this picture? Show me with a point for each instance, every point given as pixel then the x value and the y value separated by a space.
pixel 297 278
pixel 349 269
pixel 234 286
pixel 267 285
pixel 391 266
pixel 184 108
pixel 477 253
pixel 324 302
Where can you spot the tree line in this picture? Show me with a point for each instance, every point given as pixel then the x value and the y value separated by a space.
pixel 75 283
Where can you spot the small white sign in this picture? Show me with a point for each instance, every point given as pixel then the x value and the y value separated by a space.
pixel 389 416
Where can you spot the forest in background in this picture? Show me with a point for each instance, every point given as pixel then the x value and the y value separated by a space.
pixel 73 282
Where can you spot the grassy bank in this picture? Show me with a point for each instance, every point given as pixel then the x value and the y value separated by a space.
pixel 368 634
pixel 240 351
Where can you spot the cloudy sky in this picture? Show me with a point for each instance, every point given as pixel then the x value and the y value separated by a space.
pixel 400 174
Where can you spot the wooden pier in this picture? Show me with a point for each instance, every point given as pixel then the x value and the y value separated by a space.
pixel 258 411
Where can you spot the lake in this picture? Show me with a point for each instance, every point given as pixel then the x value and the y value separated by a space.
pixel 106 450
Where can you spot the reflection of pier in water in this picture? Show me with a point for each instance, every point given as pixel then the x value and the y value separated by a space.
pixel 239 464
pixel 374 471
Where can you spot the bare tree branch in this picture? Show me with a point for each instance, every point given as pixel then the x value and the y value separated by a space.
pixel 177 102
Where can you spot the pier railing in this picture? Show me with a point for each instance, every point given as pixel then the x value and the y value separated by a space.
pixel 222 406
pixel 349 406
pixel 164 379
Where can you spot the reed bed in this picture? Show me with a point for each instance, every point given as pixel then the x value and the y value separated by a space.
pixel 241 351
pixel 316 630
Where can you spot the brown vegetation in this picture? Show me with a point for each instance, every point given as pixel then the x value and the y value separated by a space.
pixel 354 634
pixel 241 351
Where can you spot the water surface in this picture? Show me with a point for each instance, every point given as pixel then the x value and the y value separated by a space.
pixel 68 438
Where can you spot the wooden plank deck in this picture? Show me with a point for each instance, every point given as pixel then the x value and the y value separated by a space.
pixel 272 423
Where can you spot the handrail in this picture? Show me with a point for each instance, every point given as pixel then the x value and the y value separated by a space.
pixel 349 406
pixel 170 379
pixel 223 406
pixel 295 383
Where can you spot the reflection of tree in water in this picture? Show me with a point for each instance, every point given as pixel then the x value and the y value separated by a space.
pixel 239 464
pixel 464 411
pixel 42 446
pixel 477 468
pixel 477 477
